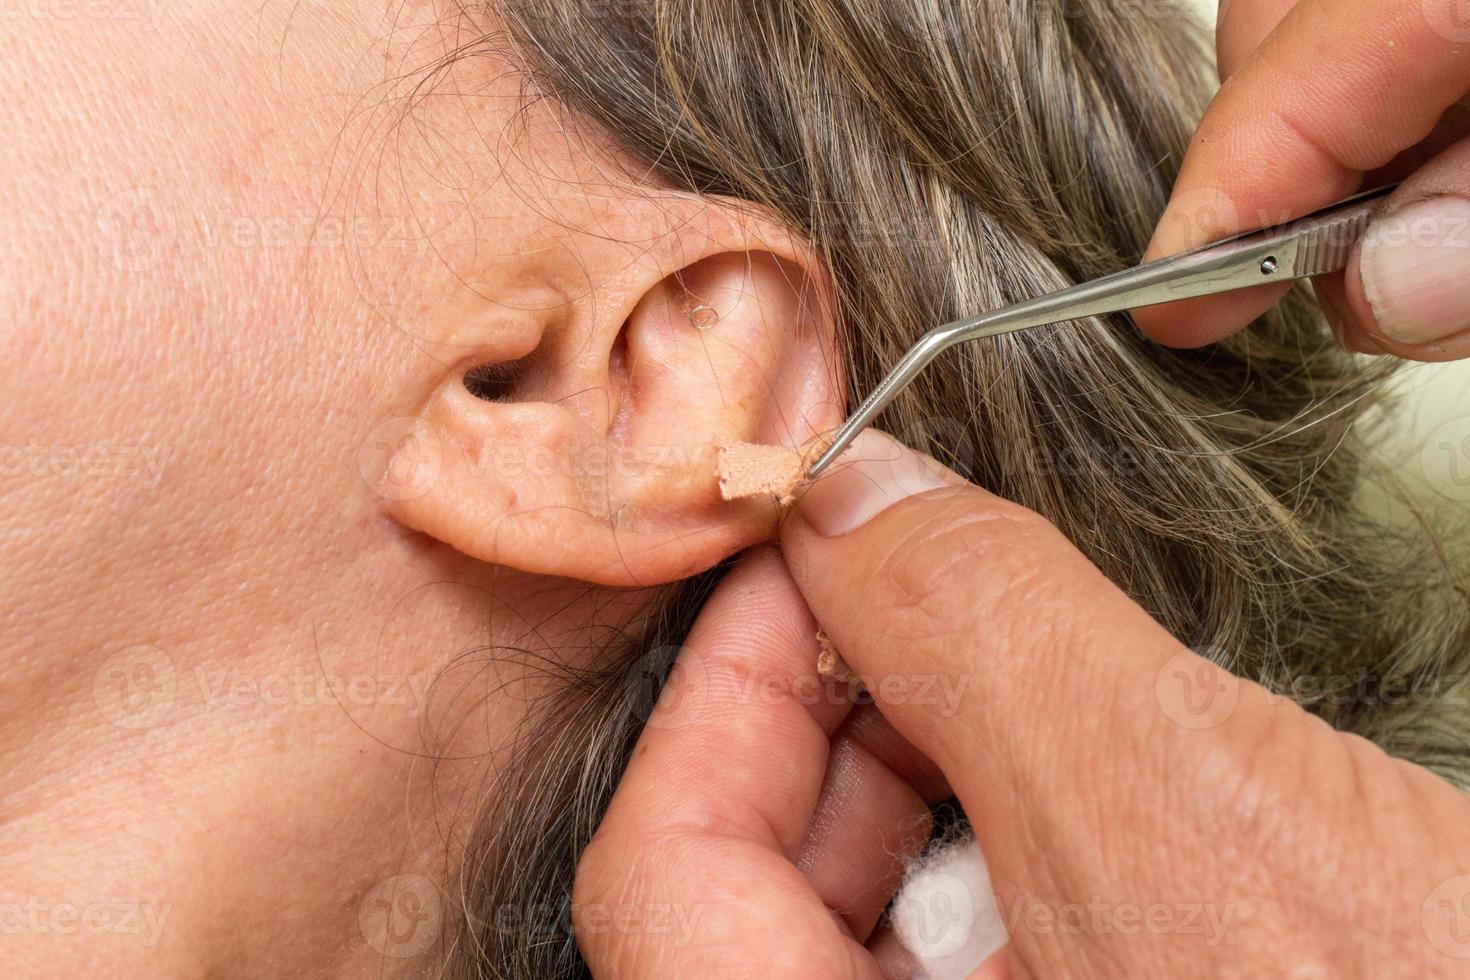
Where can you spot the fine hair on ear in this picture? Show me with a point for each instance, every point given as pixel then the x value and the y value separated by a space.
pixel 944 159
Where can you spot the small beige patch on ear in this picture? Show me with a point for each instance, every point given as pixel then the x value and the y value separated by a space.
pixel 750 470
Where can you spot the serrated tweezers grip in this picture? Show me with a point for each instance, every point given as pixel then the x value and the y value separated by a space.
pixel 1327 247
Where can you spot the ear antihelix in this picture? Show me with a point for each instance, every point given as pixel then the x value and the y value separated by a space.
pixel 591 453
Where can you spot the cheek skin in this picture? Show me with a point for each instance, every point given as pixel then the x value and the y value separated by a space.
pixel 247 265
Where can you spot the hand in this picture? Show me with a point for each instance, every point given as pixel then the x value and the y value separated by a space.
pixel 1321 99
pixel 1143 812
pixel 763 823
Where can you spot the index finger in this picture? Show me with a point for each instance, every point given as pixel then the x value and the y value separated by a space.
pixel 1338 89
pixel 704 830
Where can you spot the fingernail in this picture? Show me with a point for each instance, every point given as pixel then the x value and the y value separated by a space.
pixel 1416 270
pixel 874 473
pixel 1351 338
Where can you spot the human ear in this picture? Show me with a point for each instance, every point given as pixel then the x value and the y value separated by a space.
pixel 586 446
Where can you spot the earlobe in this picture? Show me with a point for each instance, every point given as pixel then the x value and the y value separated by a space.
pixel 594 456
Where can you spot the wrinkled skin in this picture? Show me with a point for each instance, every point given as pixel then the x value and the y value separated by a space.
pixel 247 506
pixel 249 511
pixel 1142 812
pixel 1107 770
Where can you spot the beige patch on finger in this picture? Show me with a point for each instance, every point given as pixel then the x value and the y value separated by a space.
pixel 830 662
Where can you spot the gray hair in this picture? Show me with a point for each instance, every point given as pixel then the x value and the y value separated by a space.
pixel 950 157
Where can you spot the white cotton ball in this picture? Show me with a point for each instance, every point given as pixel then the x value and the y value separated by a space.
pixel 945 913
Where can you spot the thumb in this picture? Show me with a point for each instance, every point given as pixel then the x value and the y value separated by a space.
pixel 976 624
pixel 998 650
pixel 1105 767
pixel 1407 291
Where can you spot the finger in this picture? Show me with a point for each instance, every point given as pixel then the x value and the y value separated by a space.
pixel 1241 26
pixel 872 820
pixel 715 805
pixel 1407 288
pixel 1097 759
pixel 1001 653
pixel 866 726
pixel 997 966
pixel 893 957
pixel 1336 90
pixel 939 567
pixel 868 826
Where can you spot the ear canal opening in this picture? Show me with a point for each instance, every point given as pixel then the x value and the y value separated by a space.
pixel 493 382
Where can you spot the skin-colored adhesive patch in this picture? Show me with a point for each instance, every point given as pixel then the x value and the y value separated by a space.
pixel 830 662
pixel 750 470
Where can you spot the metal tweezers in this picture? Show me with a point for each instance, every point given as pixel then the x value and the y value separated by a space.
pixel 1314 245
